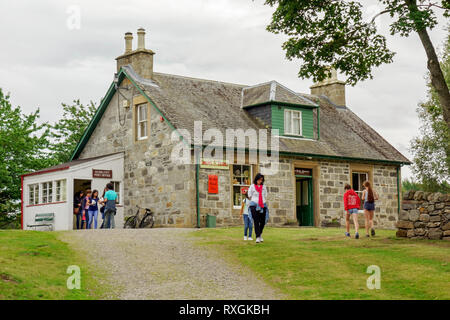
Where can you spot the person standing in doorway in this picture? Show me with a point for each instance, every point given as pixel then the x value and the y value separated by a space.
pixel 258 208
pixel 77 207
pixel 369 196
pixel 110 206
pixel 351 206
pixel 93 210
pixel 85 208
pixel 248 227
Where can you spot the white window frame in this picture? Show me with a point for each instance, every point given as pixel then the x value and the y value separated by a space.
pixel 48 187
pixel 140 121
pixel 33 189
pixel 289 116
pixel 61 190
pixel 360 192
pixel 117 186
pixel 240 185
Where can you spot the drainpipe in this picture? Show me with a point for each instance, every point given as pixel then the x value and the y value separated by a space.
pixel 197 177
pixel 398 188
pixel 318 123
pixel 21 202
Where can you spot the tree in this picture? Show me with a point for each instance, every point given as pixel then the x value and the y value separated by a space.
pixel 69 129
pixel 23 148
pixel 431 149
pixel 333 33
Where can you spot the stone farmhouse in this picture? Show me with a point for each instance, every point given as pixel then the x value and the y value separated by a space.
pixel 322 146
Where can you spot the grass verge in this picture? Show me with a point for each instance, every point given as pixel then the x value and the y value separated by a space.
pixel 33 265
pixel 312 263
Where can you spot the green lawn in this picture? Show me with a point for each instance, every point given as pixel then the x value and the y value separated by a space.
pixel 311 263
pixel 33 265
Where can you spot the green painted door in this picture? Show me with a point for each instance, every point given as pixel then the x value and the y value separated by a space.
pixel 305 216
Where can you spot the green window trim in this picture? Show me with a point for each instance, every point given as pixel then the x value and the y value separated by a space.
pixel 307 121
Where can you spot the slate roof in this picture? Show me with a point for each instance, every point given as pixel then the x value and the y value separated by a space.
pixel 274 92
pixel 184 100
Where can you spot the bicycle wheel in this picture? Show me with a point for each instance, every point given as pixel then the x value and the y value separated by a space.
pixel 130 223
pixel 147 222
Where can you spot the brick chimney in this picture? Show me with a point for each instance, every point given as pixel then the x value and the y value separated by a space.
pixel 140 59
pixel 331 87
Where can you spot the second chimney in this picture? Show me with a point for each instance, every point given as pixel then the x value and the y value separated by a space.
pixel 140 59
pixel 331 87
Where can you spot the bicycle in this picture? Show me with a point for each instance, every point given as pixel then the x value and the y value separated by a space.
pixel 133 222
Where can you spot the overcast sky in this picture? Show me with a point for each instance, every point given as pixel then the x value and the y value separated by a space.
pixel 44 62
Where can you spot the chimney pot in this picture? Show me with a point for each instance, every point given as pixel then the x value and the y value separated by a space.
pixel 141 38
pixel 128 42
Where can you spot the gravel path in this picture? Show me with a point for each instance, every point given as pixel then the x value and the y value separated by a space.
pixel 163 264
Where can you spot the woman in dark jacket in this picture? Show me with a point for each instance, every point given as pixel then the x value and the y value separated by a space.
pixel 77 206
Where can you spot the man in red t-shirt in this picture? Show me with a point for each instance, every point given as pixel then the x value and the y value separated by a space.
pixel 351 206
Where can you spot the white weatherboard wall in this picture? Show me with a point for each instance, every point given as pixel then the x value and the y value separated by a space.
pixel 64 211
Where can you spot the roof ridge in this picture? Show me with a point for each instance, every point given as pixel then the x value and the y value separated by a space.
pixel 199 79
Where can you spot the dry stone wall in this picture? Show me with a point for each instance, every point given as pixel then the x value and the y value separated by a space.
pixel 424 215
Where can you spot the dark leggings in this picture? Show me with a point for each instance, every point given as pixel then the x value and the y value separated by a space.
pixel 259 219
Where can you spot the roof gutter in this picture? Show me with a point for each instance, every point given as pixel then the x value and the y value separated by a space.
pixel 329 157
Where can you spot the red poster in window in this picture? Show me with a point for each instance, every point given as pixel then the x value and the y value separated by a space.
pixel 213 183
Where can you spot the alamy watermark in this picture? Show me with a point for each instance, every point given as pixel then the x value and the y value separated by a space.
pixel 233 148
pixel 73 21
pixel 374 281
pixel 74 280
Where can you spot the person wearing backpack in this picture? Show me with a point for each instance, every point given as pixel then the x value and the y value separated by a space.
pixel 351 206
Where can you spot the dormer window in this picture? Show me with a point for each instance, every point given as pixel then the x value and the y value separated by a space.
pixel 292 122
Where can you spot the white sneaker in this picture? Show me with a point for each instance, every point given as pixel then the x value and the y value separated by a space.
pixel 250 238
pixel 261 239
pixel 245 238
pixel 257 240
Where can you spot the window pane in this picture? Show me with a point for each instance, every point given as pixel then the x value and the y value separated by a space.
pixel 355 181
pixel 287 122
pixel 237 199
pixel 296 128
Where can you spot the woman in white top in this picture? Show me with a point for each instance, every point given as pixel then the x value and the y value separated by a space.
pixel 257 194
pixel 248 227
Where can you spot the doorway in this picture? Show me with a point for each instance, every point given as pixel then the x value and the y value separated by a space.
pixel 304 201
pixel 79 185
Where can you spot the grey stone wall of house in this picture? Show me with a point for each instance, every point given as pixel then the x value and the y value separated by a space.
pixel 220 204
pixel 424 215
pixel 334 176
pixel 151 179
pixel 385 183
pixel 281 194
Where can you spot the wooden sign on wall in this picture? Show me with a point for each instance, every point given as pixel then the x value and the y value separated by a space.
pixel 213 183
pixel 303 172
pixel 103 174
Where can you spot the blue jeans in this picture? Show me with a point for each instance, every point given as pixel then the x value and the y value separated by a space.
pixel 92 216
pixel 109 219
pixel 248 226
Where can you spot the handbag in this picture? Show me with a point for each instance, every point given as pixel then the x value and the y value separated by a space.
pixel 76 210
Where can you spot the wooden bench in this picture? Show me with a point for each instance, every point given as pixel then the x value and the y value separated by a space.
pixel 43 220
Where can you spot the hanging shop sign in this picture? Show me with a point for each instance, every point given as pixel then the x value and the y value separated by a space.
pixel 104 174
pixel 213 183
pixel 214 164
